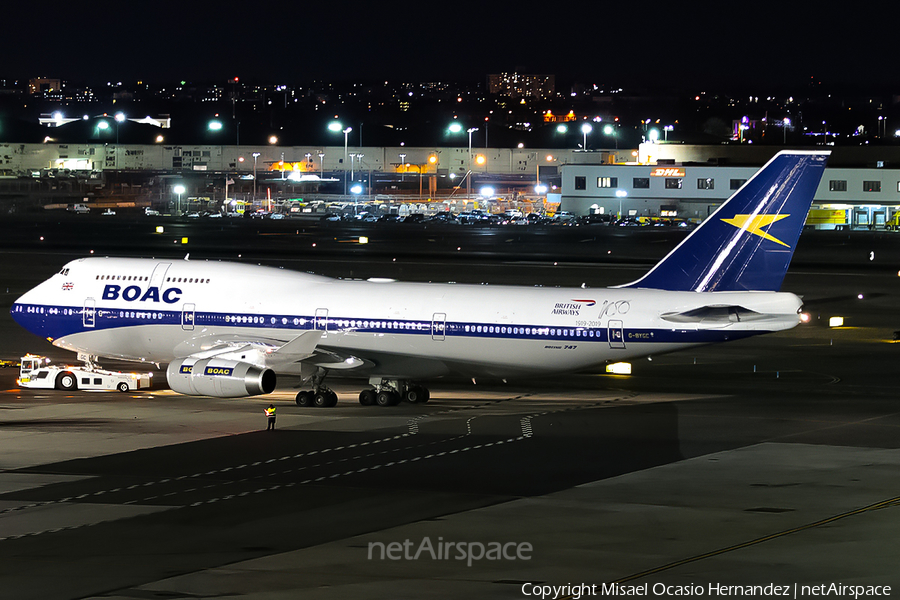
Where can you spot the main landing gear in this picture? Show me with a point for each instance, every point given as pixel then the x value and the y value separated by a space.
pixel 384 392
pixel 323 398
pixel 320 396
pixel 390 392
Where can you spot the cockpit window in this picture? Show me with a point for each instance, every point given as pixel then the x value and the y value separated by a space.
pixel 65 271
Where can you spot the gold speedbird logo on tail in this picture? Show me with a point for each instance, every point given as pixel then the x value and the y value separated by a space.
pixel 754 224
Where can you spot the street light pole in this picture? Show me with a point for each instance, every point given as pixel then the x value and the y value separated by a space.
pixel 586 129
pixel 346 133
pixel 179 190
pixel 255 157
pixel 470 131
pixel 119 118
pixel 620 194
pixel 352 157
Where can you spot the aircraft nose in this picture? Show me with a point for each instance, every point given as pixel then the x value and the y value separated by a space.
pixel 27 312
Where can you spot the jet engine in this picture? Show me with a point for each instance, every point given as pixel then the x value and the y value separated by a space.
pixel 218 377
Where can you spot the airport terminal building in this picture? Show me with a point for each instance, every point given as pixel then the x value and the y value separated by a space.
pixel 689 182
pixel 860 189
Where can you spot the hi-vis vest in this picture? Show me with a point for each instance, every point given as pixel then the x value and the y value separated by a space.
pixel 270 412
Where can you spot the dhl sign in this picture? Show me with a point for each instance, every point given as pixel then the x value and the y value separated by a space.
pixel 667 172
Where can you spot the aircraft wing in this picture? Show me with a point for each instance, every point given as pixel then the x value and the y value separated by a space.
pixel 278 354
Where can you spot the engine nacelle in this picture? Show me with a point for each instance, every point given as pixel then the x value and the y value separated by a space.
pixel 220 378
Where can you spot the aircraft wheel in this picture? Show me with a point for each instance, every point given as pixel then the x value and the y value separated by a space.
pixel 305 398
pixel 66 381
pixel 416 394
pixel 122 387
pixel 325 399
pixel 386 398
pixel 367 397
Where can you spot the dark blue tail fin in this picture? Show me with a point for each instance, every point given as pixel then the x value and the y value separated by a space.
pixel 748 242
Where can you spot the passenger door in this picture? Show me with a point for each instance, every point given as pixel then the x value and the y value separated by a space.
pixel 321 323
pixel 187 316
pixel 159 275
pixel 439 327
pixel 616 334
pixel 88 313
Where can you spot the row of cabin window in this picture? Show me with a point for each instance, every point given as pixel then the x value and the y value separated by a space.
pixel 144 278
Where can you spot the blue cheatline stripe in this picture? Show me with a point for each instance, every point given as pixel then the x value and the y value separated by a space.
pixel 58 321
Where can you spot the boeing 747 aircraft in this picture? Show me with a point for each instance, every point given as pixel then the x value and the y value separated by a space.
pixel 227 329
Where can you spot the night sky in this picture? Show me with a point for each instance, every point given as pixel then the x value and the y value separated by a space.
pixel 705 44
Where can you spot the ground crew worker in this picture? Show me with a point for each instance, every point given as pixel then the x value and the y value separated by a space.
pixel 270 415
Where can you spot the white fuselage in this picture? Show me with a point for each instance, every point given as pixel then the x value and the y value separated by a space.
pixel 159 311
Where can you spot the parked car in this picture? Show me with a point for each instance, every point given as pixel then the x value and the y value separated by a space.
pixel 598 219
